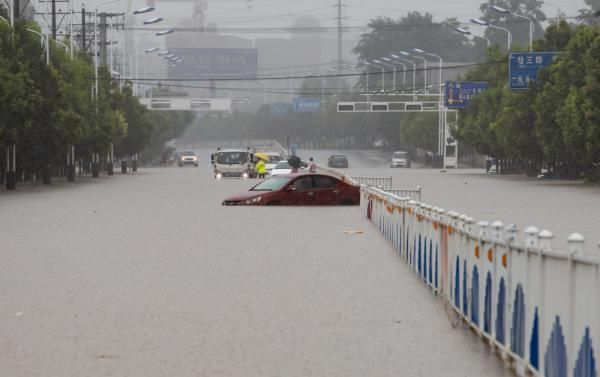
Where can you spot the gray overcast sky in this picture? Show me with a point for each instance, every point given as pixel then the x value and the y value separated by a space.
pixel 281 13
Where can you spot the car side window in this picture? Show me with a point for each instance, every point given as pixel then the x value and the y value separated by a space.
pixel 303 183
pixel 322 182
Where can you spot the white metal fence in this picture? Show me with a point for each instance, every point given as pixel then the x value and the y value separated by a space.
pixel 414 194
pixel 539 308
pixel 379 182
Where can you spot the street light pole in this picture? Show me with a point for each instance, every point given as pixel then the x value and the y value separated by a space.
pixel 12 13
pixel 414 70
pixel 558 14
pixel 66 48
pixel 424 68
pixel 382 73
pixel 393 69
pixel 481 22
pixel 441 123
pixel 367 64
pixel 403 71
pixel 441 67
pixel 531 25
pixel 467 32
pixel 44 42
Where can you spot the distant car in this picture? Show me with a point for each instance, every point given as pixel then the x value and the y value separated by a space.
pixel 379 143
pixel 400 159
pixel 274 159
pixel 187 158
pixel 299 190
pixel 337 161
pixel 283 167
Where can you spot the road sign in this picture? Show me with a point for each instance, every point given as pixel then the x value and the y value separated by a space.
pixel 306 105
pixel 524 66
pixel 280 108
pixel 459 93
pixel 388 107
pixel 214 62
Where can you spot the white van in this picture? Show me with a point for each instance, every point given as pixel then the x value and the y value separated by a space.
pixel 400 159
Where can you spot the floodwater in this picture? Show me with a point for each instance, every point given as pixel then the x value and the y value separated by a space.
pixel 148 275
pixel 561 206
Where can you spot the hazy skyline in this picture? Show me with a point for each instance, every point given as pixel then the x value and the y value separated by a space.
pixel 282 13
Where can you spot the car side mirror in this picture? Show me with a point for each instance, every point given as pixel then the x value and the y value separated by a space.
pixel 251 157
pixel 291 189
pixel 212 158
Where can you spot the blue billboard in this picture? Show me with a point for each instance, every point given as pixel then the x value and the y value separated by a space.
pixel 524 66
pixel 212 63
pixel 306 105
pixel 457 94
pixel 280 108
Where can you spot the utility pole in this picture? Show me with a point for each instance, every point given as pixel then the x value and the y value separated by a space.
pixel 83 34
pixel 16 10
pixel 103 39
pixel 54 19
pixel 339 20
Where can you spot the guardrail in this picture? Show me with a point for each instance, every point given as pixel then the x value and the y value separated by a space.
pixel 414 194
pixel 380 182
pixel 539 308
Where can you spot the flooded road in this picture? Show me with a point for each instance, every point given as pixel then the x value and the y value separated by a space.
pixel 561 206
pixel 148 275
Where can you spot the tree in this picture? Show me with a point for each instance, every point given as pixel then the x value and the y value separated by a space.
pixel 518 26
pixel 591 14
pixel 415 30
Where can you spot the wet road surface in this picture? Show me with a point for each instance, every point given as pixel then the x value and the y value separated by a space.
pixel 561 206
pixel 148 275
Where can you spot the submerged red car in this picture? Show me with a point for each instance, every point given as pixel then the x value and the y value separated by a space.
pixel 298 190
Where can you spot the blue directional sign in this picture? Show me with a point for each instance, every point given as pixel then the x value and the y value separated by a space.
pixel 306 105
pixel 459 93
pixel 215 62
pixel 280 108
pixel 524 66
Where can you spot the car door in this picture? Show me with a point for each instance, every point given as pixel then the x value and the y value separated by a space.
pixel 326 191
pixel 299 192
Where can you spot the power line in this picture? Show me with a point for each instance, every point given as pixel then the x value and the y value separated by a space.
pixel 317 29
pixel 274 78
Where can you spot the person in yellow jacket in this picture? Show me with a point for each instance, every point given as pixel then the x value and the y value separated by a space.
pixel 261 169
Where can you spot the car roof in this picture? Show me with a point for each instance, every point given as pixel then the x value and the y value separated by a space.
pixel 305 173
pixel 338 155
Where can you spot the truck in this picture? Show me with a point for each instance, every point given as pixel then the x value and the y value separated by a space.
pixel 233 163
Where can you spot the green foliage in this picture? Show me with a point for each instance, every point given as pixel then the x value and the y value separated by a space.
pixel 555 122
pixel 518 26
pixel 46 108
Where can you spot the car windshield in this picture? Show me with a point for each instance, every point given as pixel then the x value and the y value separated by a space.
pixel 188 153
pixel 271 184
pixel 400 154
pixel 232 158
pixel 338 157
pixel 274 159
pixel 282 165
